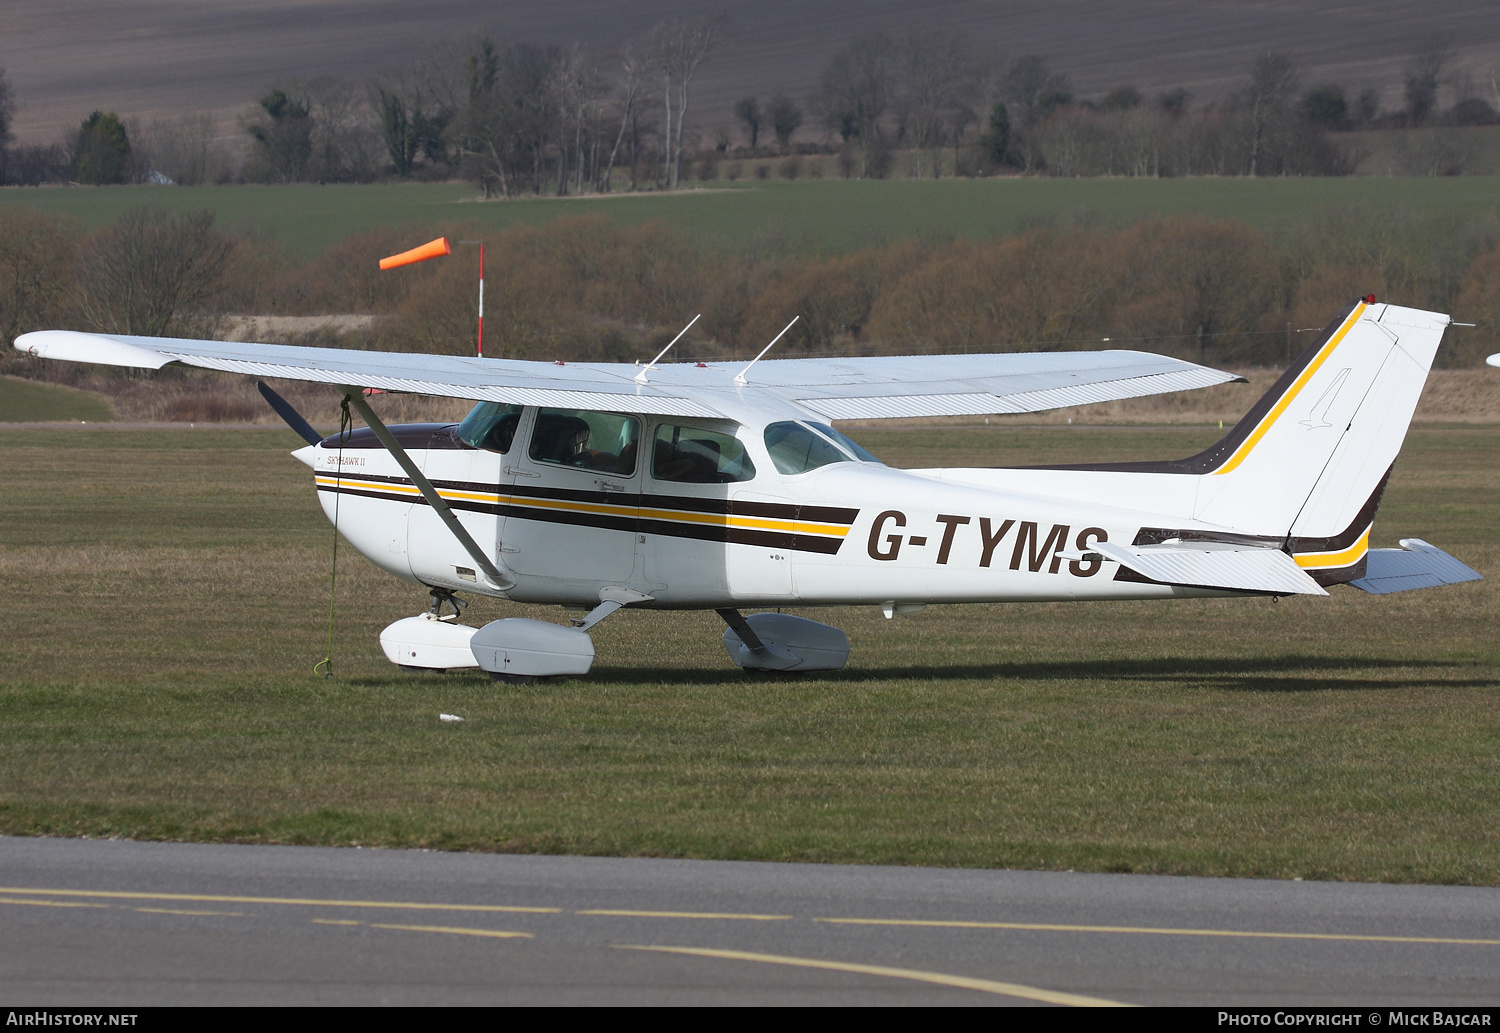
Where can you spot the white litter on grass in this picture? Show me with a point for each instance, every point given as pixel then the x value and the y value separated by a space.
pixel 449 717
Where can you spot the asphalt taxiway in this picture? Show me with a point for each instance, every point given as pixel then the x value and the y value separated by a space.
pixel 125 923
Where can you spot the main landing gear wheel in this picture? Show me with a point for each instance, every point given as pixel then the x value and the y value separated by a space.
pixel 783 643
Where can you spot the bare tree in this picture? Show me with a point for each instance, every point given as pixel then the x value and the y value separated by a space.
pixel 413 107
pixel 938 78
pixel 36 254
pixel 182 149
pixel 747 110
pixel 1026 79
pixel 7 108
pixel 140 274
pixel 633 67
pixel 785 117
pixel 679 48
pixel 513 119
pixel 1423 74
pixel 283 135
pixel 576 85
pixel 480 132
pixel 1273 82
pixel 344 142
pixel 856 90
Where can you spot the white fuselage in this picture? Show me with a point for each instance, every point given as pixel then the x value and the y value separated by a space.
pixel 845 533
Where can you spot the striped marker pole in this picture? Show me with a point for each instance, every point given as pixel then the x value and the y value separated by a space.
pixel 436 249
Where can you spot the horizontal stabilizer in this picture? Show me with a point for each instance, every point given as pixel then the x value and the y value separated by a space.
pixel 1213 565
pixel 1415 565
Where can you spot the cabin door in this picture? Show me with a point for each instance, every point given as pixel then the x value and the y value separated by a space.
pixel 575 500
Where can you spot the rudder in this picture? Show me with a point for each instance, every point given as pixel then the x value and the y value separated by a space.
pixel 1313 452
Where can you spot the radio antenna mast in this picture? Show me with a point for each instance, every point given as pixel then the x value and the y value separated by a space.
pixel 740 376
pixel 640 378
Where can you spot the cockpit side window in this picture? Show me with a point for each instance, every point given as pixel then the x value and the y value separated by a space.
pixel 490 426
pixel 845 442
pixel 601 441
pixel 796 448
pixel 799 447
pixel 690 455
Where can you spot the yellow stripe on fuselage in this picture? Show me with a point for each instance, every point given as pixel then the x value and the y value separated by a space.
pixel 1291 393
pixel 601 509
pixel 1344 558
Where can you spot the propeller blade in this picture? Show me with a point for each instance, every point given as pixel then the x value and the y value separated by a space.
pixel 292 417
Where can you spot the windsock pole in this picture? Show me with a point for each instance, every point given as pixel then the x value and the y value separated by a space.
pixel 479 348
pixel 436 249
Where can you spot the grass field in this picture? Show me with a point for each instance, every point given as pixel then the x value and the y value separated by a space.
pixel 166 600
pixel 25 401
pixel 822 215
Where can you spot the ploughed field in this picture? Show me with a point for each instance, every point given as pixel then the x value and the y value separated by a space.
pixel 167 598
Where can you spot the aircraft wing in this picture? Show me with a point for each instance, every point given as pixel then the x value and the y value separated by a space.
pixel 878 387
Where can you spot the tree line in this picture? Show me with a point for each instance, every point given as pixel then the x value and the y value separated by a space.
pixel 1211 290
pixel 517 117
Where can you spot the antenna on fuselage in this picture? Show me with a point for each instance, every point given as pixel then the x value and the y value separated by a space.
pixel 739 377
pixel 640 378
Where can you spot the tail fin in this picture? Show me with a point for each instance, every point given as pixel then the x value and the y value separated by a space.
pixel 1309 459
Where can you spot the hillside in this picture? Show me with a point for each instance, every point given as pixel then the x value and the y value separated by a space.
pixel 165 57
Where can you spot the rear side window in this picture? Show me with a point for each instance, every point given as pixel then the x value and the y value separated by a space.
pixel 600 441
pixel 688 455
pixel 491 426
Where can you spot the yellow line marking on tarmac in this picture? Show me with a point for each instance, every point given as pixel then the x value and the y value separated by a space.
pixel 499 934
pixel 175 911
pixel 51 903
pixel 1154 931
pixel 307 902
pixel 685 914
pixel 336 921
pixel 990 986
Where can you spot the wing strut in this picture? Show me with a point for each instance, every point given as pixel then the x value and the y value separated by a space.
pixel 357 399
pixel 742 628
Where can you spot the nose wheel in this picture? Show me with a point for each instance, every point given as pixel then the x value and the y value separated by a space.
pixel 445 597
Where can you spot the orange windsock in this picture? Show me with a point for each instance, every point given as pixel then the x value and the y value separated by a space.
pixel 432 249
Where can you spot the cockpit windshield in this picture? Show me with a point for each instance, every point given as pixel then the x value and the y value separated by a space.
pixel 799 447
pixel 491 426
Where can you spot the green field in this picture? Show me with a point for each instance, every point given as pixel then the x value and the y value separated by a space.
pixel 802 215
pixel 166 598
pixel 26 401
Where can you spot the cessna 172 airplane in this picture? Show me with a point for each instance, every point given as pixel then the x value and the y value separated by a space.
pixel 704 486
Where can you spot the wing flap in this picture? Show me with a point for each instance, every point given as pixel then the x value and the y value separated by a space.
pixel 1210 565
pixel 984 403
pixel 1415 565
